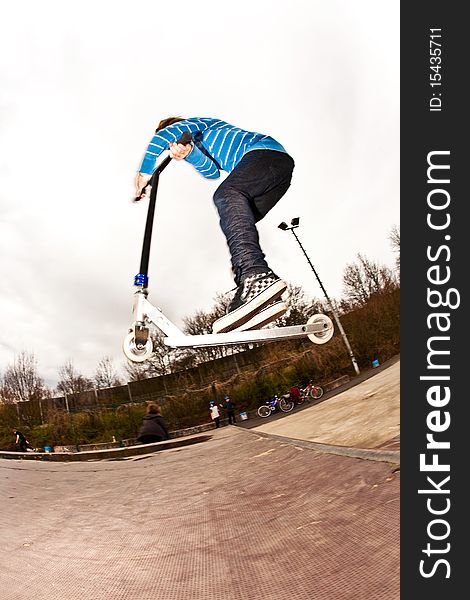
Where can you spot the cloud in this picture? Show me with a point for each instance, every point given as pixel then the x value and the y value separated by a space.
pixel 82 89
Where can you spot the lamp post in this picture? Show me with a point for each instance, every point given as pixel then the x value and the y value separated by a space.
pixel 293 226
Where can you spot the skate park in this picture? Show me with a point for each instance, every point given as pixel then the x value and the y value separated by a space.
pixel 303 506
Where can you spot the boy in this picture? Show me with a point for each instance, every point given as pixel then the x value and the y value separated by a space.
pixel 260 172
pixel 229 407
pixel 215 415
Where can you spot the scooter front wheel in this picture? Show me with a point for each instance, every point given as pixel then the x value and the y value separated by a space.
pixel 136 353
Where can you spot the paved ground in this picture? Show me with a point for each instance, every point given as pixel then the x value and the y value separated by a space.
pixel 241 516
pixel 365 416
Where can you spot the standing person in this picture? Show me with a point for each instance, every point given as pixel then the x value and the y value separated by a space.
pixel 260 172
pixel 229 407
pixel 22 441
pixel 153 427
pixel 215 415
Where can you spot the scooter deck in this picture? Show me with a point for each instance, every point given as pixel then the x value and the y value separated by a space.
pixel 319 329
pixel 233 338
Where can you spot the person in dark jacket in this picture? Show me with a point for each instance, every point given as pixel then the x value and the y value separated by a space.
pixel 153 427
pixel 22 441
pixel 229 407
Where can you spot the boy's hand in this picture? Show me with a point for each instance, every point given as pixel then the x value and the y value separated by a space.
pixel 141 180
pixel 180 151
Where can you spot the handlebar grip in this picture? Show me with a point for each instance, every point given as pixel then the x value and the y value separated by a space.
pixel 186 138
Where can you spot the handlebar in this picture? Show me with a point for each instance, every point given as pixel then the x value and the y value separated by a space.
pixel 186 138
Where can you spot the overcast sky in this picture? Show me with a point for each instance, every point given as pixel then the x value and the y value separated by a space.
pixel 82 87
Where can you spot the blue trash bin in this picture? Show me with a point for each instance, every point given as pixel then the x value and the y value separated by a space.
pixel 47 448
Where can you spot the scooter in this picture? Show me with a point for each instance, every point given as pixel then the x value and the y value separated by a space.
pixel 137 344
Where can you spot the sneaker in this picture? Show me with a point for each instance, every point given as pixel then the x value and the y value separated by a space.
pixel 252 295
pixel 269 314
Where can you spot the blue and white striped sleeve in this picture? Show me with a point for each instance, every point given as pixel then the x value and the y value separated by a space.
pixel 203 164
pixel 157 145
pixel 161 142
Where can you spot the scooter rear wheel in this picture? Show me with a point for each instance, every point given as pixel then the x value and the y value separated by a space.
pixel 321 337
pixel 136 353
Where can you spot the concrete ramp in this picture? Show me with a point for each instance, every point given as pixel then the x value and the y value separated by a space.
pixel 238 517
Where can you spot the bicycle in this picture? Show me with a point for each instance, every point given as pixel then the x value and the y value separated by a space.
pixel 311 391
pixel 284 403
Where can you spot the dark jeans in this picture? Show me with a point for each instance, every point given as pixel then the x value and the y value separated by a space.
pixel 217 422
pixel 231 417
pixel 256 184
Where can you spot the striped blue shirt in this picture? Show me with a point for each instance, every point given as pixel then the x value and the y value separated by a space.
pixel 217 145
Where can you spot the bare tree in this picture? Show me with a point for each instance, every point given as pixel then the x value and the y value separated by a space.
pixel 21 381
pixel 394 238
pixel 165 359
pixel 365 278
pixel 105 374
pixel 72 382
pixel 300 308
pixel 136 371
pixel 200 324
pixel 4 398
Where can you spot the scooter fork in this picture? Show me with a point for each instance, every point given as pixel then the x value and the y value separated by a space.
pixel 140 328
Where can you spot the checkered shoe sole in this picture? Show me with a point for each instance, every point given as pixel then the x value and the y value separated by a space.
pixel 260 291
pixel 264 317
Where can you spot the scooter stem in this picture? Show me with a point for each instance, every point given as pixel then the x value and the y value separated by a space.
pixel 141 279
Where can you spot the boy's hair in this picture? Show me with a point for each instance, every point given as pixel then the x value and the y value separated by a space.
pixel 154 409
pixel 168 121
